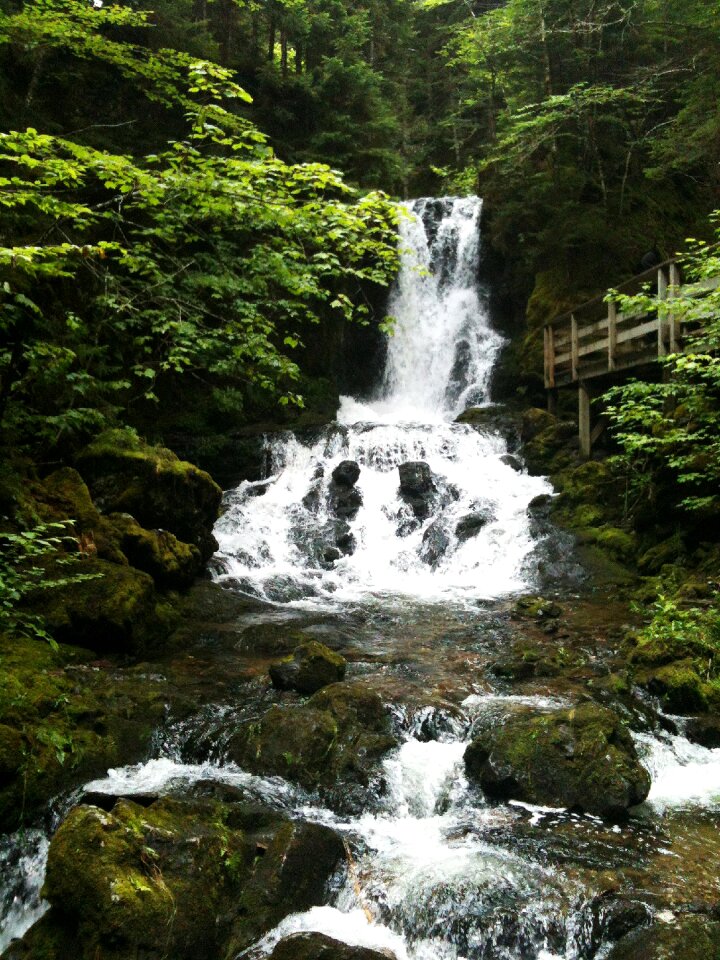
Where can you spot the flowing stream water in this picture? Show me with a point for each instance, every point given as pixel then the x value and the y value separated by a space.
pixel 437 872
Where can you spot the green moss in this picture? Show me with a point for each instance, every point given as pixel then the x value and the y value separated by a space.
pixel 169 561
pixel 681 688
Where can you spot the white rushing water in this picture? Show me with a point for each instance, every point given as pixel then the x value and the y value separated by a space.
pixel 285 540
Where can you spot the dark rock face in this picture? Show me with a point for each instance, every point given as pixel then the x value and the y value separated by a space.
pixel 311 667
pixel 417 487
pixel 583 759
pixel 435 543
pixel 333 740
pixel 471 524
pixel 170 562
pixel 512 461
pixel 152 484
pixel 690 938
pixel 346 473
pixel 316 946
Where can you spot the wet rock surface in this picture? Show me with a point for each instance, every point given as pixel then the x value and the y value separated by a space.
pixel 317 946
pixel 582 758
pixel 312 666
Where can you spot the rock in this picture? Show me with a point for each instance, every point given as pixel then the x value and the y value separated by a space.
pixel 345 501
pixel 478 416
pixel 170 562
pixel 435 543
pixel 537 608
pixel 417 487
pixel 704 730
pixel 126 475
pixel 177 878
pixel 582 759
pixel 346 473
pixel 333 740
pixel 689 938
pixel 680 688
pixel 114 611
pixel 472 523
pixel 311 667
pixel 317 946
pixel 512 461
pixel 534 421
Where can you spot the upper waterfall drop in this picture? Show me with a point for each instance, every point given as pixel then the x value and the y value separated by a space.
pixel 442 351
pixel 456 527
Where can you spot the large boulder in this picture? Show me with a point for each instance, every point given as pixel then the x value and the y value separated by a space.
pixel 194 880
pixel 582 758
pixel 435 543
pixel 346 473
pixel 311 667
pixel 318 946
pixel 331 742
pixel 126 475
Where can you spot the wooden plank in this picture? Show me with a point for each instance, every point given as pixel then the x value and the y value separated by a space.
pixel 593 347
pixel 673 324
pixel 702 286
pixel 574 346
pixel 551 348
pixel 612 335
pixel 546 356
pixel 562 358
pixel 598 429
pixel 650 326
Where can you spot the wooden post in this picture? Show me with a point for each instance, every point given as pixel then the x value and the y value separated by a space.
pixel 552 401
pixel 674 324
pixel 574 346
pixel 584 418
pixel 662 292
pixel 612 335
pixel 546 356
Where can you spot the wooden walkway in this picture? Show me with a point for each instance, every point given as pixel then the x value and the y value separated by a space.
pixel 596 340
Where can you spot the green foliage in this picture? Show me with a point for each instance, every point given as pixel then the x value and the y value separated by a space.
pixel 24 570
pixel 669 432
pixel 207 257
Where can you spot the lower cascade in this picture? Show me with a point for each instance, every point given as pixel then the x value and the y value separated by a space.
pixel 402 538
pixel 397 498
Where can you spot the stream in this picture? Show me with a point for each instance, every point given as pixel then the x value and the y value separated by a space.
pixel 414 586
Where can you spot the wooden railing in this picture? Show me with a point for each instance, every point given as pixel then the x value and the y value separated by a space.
pixel 596 339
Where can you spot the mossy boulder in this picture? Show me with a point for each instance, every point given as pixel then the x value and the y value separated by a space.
pixel 115 611
pixel 537 608
pixel 126 475
pixel 689 938
pixel 311 667
pixel 170 562
pixel 680 688
pixel 63 721
pixel 552 448
pixel 318 946
pixel 176 878
pixel 582 758
pixel 534 421
pixel 333 740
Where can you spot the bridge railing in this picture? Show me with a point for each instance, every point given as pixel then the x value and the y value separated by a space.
pixel 596 338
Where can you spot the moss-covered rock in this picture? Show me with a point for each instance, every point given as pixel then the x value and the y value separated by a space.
pixel 317 946
pixel 689 938
pixel 582 758
pixel 176 878
pixel 534 421
pixel 126 475
pixel 116 611
pixel 680 688
pixel 311 667
pixel 336 738
pixel 537 608
pixel 170 562
pixel 62 722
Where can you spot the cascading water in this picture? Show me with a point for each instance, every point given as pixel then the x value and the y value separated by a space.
pixel 300 536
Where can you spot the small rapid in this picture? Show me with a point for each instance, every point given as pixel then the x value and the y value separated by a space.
pixel 292 538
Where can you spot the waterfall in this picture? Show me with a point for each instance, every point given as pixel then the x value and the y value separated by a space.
pixel 302 537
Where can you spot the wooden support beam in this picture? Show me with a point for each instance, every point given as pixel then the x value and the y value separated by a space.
pixel 584 418
pixel 612 335
pixel 598 430
pixel 552 401
pixel 574 346
pixel 662 293
pixel 673 290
